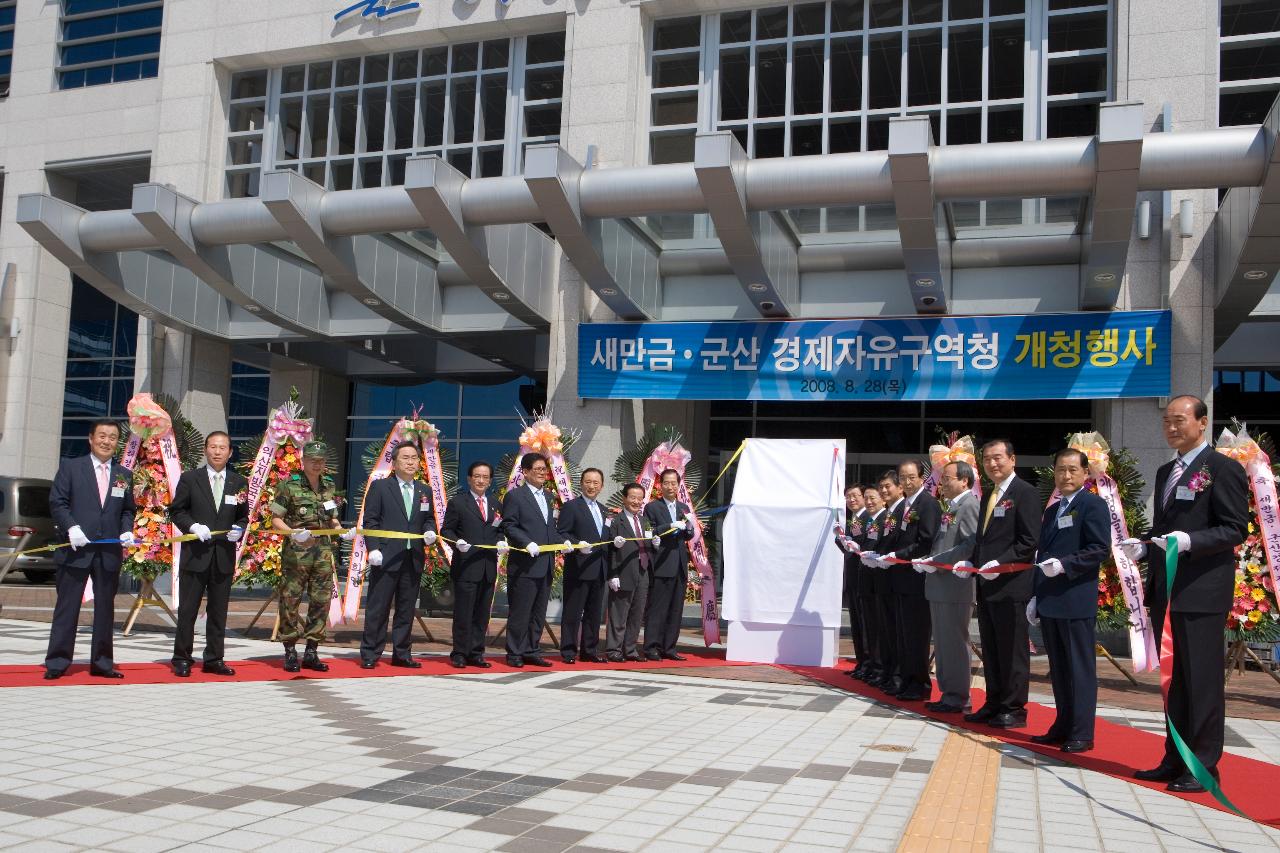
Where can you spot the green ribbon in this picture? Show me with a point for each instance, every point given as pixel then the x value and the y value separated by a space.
pixel 1198 770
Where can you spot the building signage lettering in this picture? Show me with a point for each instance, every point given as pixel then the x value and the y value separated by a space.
pixel 1017 357
pixel 377 8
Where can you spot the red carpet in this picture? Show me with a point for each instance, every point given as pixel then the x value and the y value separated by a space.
pixel 347 666
pixel 1118 750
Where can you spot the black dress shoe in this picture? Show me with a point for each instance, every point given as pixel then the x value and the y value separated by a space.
pixel 673 656
pixel 569 659
pixel 368 664
pixel 537 660
pixel 652 656
pixel 980 716
pixel 1185 784
pixel 636 658
pixel 1048 739
pixel 54 674
pixel 1160 773
pixel 912 695
pixel 615 657
pixel 217 667
pixel 457 662
pixel 515 661
pixel 480 662
pixel 106 673
pixel 592 657
pixel 182 669
pixel 943 708
pixel 1008 720
pixel 406 663
pixel 1077 746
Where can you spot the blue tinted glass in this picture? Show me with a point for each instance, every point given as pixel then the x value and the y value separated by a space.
pixel 368 400
pixel 97 76
pixel 89 27
pixel 121 391
pixel 6 64
pixel 123 368
pixel 135 45
pixel 95 52
pixel 77 369
pixel 246 428
pixel 487 428
pixel 71 80
pixel 73 444
pixel 126 332
pixel 248 396
pixel 79 7
pixel 435 399
pixel 6 40
pixel 125 71
pixel 86 398
pixel 150 68
pixel 368 429
pixel 143 19
pixel 7 16
pixel 92 320
pixel 499 400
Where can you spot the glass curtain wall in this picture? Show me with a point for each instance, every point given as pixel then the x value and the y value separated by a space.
pixel 354 122
pixel 1248 60
pixel 101 345
pixel 108 41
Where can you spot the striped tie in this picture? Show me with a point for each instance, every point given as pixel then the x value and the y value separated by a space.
pixel 1172 486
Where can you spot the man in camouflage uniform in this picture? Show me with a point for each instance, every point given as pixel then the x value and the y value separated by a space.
pixel 305 502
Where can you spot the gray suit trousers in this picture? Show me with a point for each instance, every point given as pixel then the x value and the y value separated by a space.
pixel 626 615
pixel 951 653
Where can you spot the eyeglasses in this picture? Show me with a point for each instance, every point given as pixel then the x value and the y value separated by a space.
pixel 540 469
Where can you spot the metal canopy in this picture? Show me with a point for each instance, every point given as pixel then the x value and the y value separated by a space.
pixel 1248 249
pixel 302 263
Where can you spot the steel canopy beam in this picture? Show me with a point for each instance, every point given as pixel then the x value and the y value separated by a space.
pixel 1248 247
pixel 926 245
pixel 1109 220
pixel 435 188
pixel 760 250
pixel 626 276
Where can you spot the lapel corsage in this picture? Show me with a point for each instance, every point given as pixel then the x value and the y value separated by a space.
pixel 855 528
pixel 1200 480
pixel 948 519
pixel 1005 505
pixel 119 482
pixel 890 524
pixel 912 518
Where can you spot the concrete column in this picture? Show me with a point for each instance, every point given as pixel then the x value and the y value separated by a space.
pixel 1167 53
pixel 326 399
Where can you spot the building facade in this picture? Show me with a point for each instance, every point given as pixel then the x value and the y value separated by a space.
pixel 393 204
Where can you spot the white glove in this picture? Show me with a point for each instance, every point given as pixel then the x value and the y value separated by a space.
pixel 963 570
pixel 234 534
pixel 348 535
pixel 682 524
pixel 201 532
pixel 921 566
pixel 375 558
pixel 871 558
pixel 429 537
pixel 463 545
pixel 1032 616
pixel 301 537
pixel 989 576
pixel 583 546
pixel 77 538
pixel 1183 541
pixel 854 547
pixel 1051 567
pixel 1133 549
pixel 615 584
pixel 657 541
pixel 127 539
pixel 568 546
pixel 533 550
pixel 618 541
pixel 503 547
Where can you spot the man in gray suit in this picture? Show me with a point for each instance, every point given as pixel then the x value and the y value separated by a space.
pixel 950 594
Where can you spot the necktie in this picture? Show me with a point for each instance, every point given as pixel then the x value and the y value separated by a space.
pixel 1172 486
pixel 217 490
pixel 991 507
pixel 407 491
pixel 595 515
pixel 480 506
pixel 542 503
pixel 644 555
pixel 102 482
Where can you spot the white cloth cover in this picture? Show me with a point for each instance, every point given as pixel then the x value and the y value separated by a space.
pixel 780 564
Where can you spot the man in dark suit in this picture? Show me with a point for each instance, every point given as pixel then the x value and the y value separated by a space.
pixel 669 518
pixel 950 596
pixel 890 530
pixel 629 565
pixel 529 524
pixel 471 518
pixel 921 516
pixel 866 577
pixel 1202 501
pixel 582 521
pixel 847 536
pixel 91 500
pixel 207 499
pixel 1075 537
pixel 400 504
pixel 1007 533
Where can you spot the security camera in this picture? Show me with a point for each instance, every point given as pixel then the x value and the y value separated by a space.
pixel 767 306
pixel 928 300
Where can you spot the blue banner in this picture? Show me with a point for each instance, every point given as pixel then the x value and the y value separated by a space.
pixel 1021 357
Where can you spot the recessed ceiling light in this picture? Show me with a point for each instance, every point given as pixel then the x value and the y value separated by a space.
pixel 371 301
pixel 757 288
pixel 496 360
pixel 924 282
pixel 1255 275
pixel 393 361
pixel 252 309
pixel 500 295
pixel 608 291
pixel 1105 276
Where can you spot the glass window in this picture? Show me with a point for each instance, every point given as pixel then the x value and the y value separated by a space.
pixel 105 42
pixel 101 344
